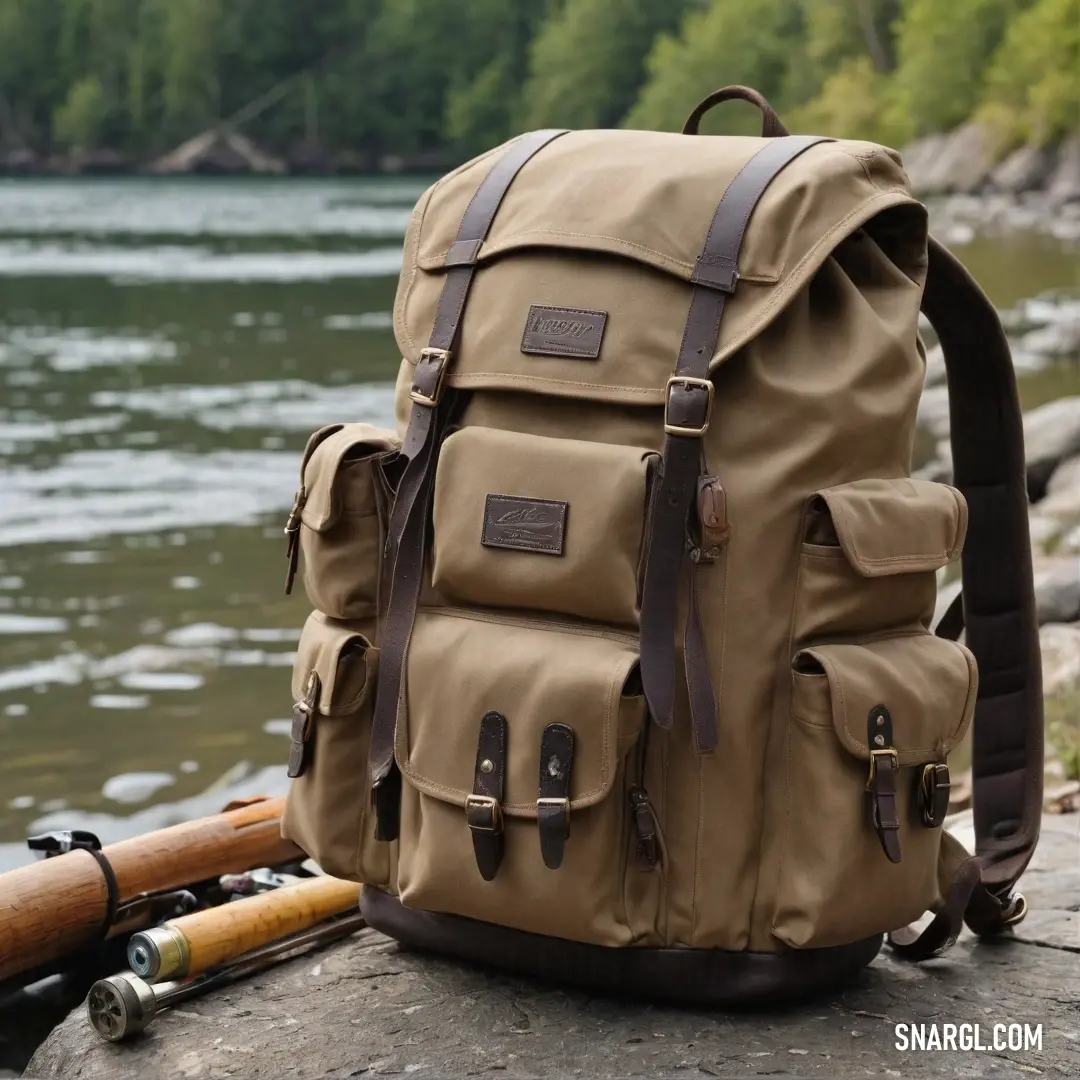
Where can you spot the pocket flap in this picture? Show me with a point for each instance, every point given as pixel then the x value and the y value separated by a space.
pixel 891 526
pixel 328 451
pixel 461 667
pixel 927 683
pixel 343 659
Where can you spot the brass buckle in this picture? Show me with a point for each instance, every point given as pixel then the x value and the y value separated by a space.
pixel 559 804
pixel 935 777
pixel 688 380
pixel 1017 910
pixel 432 356
pixel 874 755
pixel 483 802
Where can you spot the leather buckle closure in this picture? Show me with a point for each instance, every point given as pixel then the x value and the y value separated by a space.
pixel 874 755
pixel 1015 910
pixel 439 359
pixel 483 813
pixel 689 382
pixel 934 787
pixel 561 805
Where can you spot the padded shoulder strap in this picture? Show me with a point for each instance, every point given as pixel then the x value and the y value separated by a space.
pixel 998 590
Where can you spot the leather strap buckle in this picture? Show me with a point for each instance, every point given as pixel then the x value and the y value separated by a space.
pixel 934 786
pixel 874 755
pixel 483 813
pixel 1015 910
pixel 689 382
pixel 425 390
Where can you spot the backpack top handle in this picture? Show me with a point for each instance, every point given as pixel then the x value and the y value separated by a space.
pixel 771 128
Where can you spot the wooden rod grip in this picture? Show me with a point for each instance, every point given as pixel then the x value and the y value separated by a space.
pixel 217 935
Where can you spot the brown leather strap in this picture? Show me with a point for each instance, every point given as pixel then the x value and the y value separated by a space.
pixel 303 720
pixel 998 604
pixel 553 804
pixel 881 786
pixel 770 123
pixel 687 414
pixel 483 808
pixel 432 410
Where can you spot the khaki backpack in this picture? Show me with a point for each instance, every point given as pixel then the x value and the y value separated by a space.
pixel 622 669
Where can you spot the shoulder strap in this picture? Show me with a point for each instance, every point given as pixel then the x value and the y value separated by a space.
pixel 688 410
pixel 998 589
pixel 998 607
pixel 433 408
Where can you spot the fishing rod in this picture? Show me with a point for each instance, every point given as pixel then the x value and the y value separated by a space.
pixel 121 1006
pixel 81 894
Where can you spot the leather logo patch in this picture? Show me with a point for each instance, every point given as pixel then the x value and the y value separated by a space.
pixel 553 331
pixel 524 524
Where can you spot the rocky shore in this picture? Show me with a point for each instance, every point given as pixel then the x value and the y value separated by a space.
pixel 1045 336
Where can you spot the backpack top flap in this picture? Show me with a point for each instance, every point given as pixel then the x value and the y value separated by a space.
pixel 647 197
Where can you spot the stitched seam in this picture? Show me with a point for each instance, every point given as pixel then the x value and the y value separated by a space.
pixel 464 379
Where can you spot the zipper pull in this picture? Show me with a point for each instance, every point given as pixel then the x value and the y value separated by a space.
pixel 647 850
pixel 292 531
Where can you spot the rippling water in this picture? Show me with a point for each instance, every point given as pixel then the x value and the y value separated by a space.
pixel 165 349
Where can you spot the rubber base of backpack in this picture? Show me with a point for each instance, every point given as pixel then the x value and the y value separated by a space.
pixel 701 977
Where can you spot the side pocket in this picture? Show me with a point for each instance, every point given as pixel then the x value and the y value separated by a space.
pixel 327 806
pixel 339 519
pixel 869 556
pixel 868 720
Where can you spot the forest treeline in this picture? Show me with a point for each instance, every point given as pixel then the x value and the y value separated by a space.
pixel 409 77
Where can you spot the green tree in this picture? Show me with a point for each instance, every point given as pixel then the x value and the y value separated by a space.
pixel 732 41
pixel 587 62
pixel 1033 83
pixel 942 52
pixel 78 122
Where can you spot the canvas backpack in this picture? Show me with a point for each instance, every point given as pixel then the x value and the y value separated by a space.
pixel 622 669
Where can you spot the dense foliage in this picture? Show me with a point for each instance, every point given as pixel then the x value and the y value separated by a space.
pixel 411 76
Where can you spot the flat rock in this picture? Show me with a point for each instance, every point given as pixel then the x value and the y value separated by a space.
pixel 959 161
pixel 368 1007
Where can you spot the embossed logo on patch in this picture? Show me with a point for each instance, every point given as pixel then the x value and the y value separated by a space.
pixel 573 332
pixel 524 524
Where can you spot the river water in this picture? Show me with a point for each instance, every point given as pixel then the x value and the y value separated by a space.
pixel 165 349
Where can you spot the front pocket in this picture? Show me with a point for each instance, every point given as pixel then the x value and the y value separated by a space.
pixel 869 556
pixel 482 748
pixel 339 519
pixel 327 806
pixel 526 521
pixel 838 882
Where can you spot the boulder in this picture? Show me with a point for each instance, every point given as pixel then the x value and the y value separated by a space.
pixel 933 412
pixel 960 161
pixel 367 1007
pixel 1060 645
pixel 1057 592
pixel 1025 169
pixel 1064 183
pixel 1051 434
